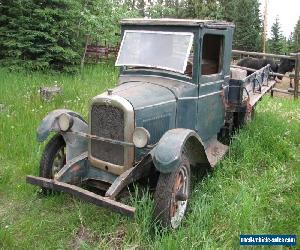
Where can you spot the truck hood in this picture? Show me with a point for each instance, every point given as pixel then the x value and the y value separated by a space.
pixel 142 94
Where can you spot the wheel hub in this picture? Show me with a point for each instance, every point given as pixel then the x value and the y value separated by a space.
pixel 179 197
pixel 59 161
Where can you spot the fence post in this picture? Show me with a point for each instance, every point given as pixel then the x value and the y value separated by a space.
pixel 297 76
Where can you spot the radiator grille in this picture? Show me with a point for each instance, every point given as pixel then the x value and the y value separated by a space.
pixel 107 122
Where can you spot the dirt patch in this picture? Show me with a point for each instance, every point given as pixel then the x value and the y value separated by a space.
pixel 285 85
pixel 113 240
pixel 83 235
pixel 116 239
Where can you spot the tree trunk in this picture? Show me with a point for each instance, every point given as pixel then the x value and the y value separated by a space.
pixel 84 53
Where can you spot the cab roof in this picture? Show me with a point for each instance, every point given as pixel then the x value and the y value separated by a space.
pixel 178 22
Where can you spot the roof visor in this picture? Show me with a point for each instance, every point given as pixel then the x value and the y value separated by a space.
pixel 155 49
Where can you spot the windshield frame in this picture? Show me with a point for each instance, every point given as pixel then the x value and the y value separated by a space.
pixel 145 67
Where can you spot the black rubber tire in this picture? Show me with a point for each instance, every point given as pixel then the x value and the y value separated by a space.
pixel 163 193
pixel 242 118
pixel 55 144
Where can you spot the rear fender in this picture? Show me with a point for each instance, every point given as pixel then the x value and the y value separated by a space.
pixel 167 154
pixel 76 145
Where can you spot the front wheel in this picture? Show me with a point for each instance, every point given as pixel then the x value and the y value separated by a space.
pixel 53 158
pixel 171 195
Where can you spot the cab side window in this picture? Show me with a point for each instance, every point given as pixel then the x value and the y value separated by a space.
pixel 212 54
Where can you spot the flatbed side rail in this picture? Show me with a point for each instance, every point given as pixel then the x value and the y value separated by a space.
pixel 252 88
pixel 258 84
pixel 293 57
pixel 257 79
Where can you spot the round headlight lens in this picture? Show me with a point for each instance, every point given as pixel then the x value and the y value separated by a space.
pixel 141 137
pixel 65 122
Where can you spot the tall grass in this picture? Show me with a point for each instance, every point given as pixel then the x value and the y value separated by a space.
pixel 255 189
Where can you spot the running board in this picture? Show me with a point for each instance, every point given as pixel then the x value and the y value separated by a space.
pixel 215 151
pixel 82 194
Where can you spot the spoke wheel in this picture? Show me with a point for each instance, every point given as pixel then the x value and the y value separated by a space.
pixel 171 195
pixel 53 158
pixel 58 162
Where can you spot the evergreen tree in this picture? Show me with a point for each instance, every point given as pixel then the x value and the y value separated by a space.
pixel 247 35
pixel 38 34
pixel 243 13
pixel 158 9
pixel 54 34
pixel 188 9
pixel 289 46
pixel 172 8
pixel 296 37
pixel 277 41
pixel 13 16
pixel 228 9
pixel 208 9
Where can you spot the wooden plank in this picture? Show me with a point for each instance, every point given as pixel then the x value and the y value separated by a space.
pixel 249 53
pixel 283 91
pixel 254 70
pixel 82 194
pixel 255 97
pixel 129 176
pixel 244 68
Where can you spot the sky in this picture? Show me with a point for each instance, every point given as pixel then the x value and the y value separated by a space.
pixel 288 12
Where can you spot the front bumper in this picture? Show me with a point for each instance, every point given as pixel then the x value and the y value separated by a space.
pixel 82 194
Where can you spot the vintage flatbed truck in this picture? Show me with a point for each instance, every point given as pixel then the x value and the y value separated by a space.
pixel 176 99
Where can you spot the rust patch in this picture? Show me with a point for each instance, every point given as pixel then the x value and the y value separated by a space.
pixel 215 152
pixel 75 168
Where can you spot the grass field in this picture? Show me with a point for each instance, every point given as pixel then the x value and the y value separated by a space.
pixel 254 190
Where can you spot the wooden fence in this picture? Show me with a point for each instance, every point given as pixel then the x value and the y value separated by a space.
pixel 293 56
pixel 96 52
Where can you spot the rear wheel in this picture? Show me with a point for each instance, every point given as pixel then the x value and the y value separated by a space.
pixel 243 117
pixel 53 158
pixel 250 113
pixel 171 195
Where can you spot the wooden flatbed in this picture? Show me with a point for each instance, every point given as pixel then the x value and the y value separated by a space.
pixel 256 96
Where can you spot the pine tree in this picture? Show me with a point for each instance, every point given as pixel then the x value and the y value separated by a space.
pixel 247 35
pixel 188 9
pixel 289 44
pixel 38 35
pixel 296 37
pixel 243 13
pixel 208 9
pixel 277 41
pixel 13 19
pixel 157 9
pixel 228 9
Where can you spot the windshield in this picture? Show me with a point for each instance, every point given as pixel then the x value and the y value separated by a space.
pixel 155 49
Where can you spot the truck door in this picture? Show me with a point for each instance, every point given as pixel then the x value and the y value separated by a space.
pixel 211 110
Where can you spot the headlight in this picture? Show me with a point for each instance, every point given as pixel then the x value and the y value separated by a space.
pixel 65 122
pixel 141 137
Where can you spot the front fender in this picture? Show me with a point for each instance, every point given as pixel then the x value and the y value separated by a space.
pixel 75 145
pixel 49 123
pixel 167 154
